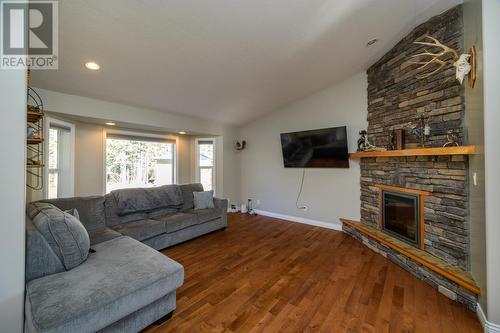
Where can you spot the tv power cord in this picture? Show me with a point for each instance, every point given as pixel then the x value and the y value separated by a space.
pixel 304 208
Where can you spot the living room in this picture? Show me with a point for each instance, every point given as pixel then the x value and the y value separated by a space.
pixel 250 166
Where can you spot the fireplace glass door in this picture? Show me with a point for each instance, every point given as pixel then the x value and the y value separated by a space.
pixel 401 216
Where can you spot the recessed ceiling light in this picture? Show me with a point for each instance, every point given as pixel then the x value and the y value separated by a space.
pixel 92 66
pixel 371 42
pixel 110 123
pixel 182 132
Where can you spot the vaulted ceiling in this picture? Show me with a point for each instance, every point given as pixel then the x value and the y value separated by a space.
pixel 228 60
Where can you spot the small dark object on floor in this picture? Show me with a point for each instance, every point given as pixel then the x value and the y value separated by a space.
pixel 165 318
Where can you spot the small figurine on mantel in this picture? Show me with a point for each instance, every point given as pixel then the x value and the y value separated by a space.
pixel 365 145
pixel 452 138
pixel 421 129
pixel 391 140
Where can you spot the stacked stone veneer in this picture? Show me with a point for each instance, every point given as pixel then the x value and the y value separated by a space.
pixel 395 98
pixel 446 225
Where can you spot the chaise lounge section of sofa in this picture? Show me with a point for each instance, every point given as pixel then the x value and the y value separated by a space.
pixel 124 285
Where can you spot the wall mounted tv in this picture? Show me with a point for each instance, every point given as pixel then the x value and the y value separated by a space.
pixel 321 148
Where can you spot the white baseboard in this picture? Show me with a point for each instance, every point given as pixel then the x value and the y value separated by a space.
pixel 334 226
pixel 488 327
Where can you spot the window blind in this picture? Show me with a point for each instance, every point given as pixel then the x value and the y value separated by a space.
pixel 129 137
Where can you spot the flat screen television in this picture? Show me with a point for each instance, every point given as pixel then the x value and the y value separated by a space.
pixel 321 148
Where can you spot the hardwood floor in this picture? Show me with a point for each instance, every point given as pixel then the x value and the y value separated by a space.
pixel 266 275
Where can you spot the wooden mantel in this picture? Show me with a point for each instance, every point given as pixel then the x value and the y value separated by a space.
pixel 436 151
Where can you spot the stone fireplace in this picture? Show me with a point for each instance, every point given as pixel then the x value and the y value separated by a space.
pixel 415 208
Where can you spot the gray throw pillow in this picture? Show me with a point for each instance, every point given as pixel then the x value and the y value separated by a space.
pixel 64 233
pixel 203 200
pixel 34 208
pixel 74 212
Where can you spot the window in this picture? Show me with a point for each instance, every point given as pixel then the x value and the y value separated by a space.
pixel 206 163
pixel 54 157
pixel 60 159
pixel 135 161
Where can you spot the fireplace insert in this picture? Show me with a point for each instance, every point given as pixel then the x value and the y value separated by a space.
pixel 401 216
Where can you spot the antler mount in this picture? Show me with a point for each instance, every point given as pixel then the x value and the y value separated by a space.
pixel 436 57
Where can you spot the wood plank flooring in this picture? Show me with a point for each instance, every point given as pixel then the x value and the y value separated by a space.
pixel 266 275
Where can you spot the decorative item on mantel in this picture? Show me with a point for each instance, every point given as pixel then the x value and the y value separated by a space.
pixel 465 64
pixel 240 145
pixel 391 140
pixel 452 138
pixel 396 139
pixel 365 145
pixel 421 129
pixel 400 139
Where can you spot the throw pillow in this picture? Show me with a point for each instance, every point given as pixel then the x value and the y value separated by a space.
pixel 65 234
pixel 203 200
pixel 35 208
pixel 74 212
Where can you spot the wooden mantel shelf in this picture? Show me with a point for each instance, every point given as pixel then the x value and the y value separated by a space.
pixel 453 273
pixel 436 151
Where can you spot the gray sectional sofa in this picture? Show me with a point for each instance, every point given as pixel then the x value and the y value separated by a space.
pixel 124 284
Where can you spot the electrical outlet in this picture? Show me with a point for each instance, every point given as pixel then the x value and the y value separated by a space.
pixel 474 178
pixel 257 202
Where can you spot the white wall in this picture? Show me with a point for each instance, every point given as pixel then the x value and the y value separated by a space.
pixel 121 113
pixel 89 154
pixel 328 193
pixel 89 159
pixel 491 49
pixel 12 198
pixel 474 122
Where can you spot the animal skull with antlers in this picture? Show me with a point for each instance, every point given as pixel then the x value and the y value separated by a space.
pixel 460 62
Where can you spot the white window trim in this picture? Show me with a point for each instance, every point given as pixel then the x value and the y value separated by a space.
pixel 197 162
pixel 143 134
pixel 47 124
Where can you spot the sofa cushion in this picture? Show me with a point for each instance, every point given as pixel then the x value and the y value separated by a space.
pixel 66 235
pixel 203 200
pixel 162 211
pixel 41 260
pixel 134 200
pixel 205 215
pixel 187 194
pixel 122 277
pixel 102 235
pixel 90 209
pixel 142 229
pixel 178 221
pixel 112 217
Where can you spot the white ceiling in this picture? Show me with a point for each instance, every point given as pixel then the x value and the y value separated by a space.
pixel 228 60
